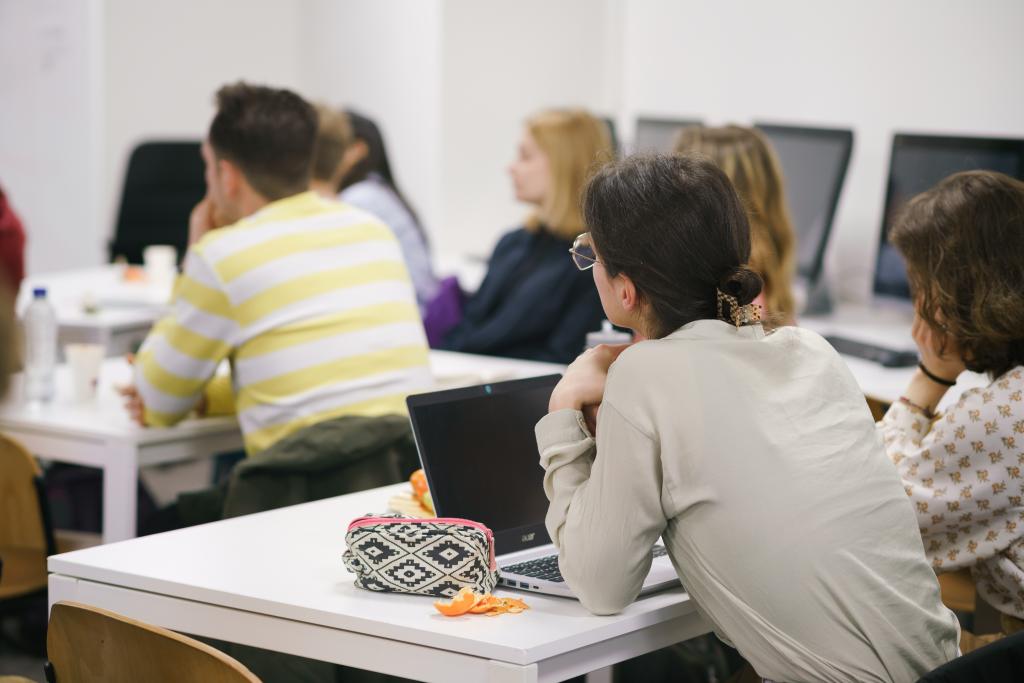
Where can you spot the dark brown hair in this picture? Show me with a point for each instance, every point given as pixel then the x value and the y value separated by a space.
pixel 963 241
pixel 375 161
pixel 269 134
pixel 676 227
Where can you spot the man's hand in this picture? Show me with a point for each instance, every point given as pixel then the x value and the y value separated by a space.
pixel 133 402
pixel 582 385
pixel 203 219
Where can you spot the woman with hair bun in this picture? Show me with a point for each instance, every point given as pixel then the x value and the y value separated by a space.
pixel 753 456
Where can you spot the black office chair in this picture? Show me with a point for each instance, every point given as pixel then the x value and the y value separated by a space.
pixel 164 180
pixel 997 662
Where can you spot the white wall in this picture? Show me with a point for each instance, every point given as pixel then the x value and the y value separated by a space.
pixel 873 65
pixel 163 62
pixel 383 58
pixel 50 112
pixel 451 81
pixel 502 62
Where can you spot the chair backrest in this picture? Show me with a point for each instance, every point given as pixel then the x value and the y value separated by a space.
pixel 1000 661
pixel 86 644
pixel 24 522
pixel 163 182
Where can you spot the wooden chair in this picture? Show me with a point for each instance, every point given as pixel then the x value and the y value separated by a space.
pixel 958 592
pixel 26 536
pixel 87 644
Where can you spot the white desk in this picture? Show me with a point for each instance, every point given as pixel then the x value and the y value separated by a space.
pixel 100 434
pixel 275 580
pixel 885 327
pixel 125 311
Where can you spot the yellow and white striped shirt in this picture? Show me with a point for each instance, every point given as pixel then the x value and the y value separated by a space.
pixel 312 304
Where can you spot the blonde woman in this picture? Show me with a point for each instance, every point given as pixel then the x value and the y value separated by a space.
pixel 750 162
pixel 534 303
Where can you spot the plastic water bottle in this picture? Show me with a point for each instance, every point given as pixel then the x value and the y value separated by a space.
pixel 607 335
pixel 40 348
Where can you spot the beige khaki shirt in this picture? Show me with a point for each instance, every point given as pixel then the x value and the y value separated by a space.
pixel 756 460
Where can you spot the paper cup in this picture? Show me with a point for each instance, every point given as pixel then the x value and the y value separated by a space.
pixel 84 360
pixel 161 263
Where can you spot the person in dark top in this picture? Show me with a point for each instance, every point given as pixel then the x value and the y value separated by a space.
pixel 534 303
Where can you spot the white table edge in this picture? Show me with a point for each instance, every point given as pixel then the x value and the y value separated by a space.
pixel 419 661
pixel 60 565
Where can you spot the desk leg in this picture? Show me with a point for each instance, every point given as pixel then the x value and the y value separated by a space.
pixel 120 488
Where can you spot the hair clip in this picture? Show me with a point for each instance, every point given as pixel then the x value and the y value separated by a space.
pixel 738 315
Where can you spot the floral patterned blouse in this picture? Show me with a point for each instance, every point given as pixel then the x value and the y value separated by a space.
pixel 962 470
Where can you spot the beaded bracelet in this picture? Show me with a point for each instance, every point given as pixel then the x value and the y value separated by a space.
pixel 919 408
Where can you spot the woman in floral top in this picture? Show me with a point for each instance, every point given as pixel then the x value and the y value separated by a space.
pixel 963 242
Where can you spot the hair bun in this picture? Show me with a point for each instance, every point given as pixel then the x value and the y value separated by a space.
pixel 742 283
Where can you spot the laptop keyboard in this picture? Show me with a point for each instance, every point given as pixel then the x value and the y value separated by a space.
pixel 546 568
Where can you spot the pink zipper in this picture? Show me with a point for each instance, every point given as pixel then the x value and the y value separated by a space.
pixel 370 521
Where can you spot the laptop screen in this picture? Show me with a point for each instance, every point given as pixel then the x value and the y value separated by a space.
pixel 479 452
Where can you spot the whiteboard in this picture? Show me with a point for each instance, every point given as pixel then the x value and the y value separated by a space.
pixel 50 127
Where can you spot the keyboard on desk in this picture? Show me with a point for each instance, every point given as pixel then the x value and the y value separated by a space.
pixel 890 358
pixel 546 568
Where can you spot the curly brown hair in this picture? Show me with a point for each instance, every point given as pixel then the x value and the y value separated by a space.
pixel 963 241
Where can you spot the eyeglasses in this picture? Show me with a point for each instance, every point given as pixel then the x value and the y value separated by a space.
pixel 582 252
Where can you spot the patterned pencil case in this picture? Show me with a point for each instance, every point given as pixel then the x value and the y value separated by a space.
pixel 436 556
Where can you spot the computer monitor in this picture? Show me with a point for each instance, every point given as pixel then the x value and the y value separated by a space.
pixel 916 164
pixel 814 163
pixel 656 136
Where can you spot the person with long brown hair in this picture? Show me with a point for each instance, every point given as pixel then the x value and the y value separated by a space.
pixel 746 156
pixel 752 455
pixel 963 242
pixel 533 303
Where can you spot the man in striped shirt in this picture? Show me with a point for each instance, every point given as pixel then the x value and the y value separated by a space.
pixel 308 299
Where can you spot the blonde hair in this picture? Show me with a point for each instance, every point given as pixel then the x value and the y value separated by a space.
pixel 576 144
pixel 750 162
pixel 333 136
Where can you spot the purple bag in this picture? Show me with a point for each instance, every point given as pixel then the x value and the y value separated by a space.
pixel 444 311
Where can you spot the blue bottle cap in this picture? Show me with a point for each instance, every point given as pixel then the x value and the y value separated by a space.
pixel 39 292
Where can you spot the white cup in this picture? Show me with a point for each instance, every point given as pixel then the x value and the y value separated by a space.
pixel 160 261
pixel 85 361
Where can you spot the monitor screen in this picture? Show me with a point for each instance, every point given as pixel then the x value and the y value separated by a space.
pixel 656 136
pixel 479 451
pixel 917 163
pixel 814 163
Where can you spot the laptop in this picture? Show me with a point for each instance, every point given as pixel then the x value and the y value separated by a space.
pixel 479 452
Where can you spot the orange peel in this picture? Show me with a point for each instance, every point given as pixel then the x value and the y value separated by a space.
pixel 468 602
pixel 460 604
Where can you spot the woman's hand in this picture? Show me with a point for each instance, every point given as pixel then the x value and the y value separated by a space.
pixel 946 363
pixel 582 385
